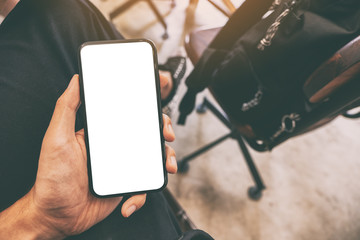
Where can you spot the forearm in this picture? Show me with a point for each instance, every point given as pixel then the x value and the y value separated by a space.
pixel 6 6
pixel 21 221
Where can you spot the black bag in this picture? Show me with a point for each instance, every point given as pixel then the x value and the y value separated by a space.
pixel 256 67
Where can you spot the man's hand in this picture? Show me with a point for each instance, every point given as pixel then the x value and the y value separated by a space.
pixel 60 204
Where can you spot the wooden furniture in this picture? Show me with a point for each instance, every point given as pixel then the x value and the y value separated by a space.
pixel 230 8
pixel 116 12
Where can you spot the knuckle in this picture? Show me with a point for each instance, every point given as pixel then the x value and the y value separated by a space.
pixel 59 143
pixel 60 102
pixel 142 200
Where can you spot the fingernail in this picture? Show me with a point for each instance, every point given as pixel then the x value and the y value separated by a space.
pixel 130 210
pixel 170 129
pixel 173 160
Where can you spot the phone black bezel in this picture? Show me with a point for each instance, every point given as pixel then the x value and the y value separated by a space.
pixel 82 97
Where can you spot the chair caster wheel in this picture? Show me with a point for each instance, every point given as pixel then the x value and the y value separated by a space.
pixel 201 108
pixel 165 36
pixel 254 193
pixel 183 167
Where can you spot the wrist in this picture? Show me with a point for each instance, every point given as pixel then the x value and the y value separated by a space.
pixel 46 229
pixel 23 221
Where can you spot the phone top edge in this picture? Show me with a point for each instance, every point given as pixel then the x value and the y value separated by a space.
pixel 89 43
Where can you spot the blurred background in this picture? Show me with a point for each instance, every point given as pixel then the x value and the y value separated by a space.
pixel 312 181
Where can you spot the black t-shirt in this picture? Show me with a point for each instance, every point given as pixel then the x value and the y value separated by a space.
pixel 39 42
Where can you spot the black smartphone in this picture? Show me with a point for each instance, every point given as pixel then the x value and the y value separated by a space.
pixel 120 91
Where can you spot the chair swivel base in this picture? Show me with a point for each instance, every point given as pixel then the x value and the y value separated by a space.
pixel 254 192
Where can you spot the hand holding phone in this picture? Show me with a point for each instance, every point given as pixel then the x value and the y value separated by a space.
pixel 61 193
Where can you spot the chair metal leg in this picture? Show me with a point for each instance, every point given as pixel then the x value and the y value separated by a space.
pixel 183 165
pixel 254 192
pixel 201 108
pixel 207 104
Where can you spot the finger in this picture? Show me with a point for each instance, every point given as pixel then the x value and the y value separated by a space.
pixel 133 204
pixel 171 164
pixel 164 79
pixel 168 130
pixel 66 106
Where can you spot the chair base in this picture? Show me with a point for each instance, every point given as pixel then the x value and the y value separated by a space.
pixel 254 192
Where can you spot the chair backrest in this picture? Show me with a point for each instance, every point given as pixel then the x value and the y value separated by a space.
pixel 343 67
pixel 328 92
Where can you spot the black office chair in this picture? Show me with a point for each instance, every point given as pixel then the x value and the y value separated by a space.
pixel 330 91
pixel 129 3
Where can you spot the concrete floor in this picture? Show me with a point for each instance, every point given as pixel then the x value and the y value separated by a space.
pixel 313 187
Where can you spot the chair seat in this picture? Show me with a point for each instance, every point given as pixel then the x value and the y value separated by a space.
pixel 330 76
pixel 197 41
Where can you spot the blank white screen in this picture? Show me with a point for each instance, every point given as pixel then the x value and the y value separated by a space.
pixel 122 117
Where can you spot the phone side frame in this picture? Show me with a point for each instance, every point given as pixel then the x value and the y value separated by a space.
pixel 159 107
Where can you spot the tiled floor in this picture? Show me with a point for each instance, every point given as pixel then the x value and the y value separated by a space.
pixel 313 187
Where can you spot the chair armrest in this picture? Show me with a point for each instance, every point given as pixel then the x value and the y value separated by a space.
pixel 343 67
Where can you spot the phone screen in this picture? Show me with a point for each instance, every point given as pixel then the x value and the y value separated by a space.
pixel 120 91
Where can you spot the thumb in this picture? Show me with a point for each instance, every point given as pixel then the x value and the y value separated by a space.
pixel 66 107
